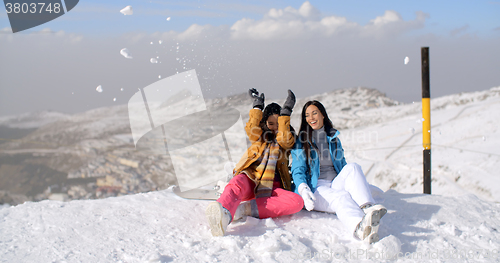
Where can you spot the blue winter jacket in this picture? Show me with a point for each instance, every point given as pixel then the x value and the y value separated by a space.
pixel 300 171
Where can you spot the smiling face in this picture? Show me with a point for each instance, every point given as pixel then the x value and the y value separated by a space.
pixel 272 122
pixel 314 117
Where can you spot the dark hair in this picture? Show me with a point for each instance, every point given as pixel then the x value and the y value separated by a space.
pixel 305 132
pixel 270 109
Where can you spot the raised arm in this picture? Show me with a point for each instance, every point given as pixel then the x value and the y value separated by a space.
pixel 285 138
pixel 253 129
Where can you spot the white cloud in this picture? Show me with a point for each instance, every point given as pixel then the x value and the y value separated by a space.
pixel 268 29
pixel 44 35
pixel 305 22
pixel 388 17
pixel 194 32
pixel 289 23
pixel 45 31
pixel 306 10
pixel 6 33
pixel 197 31
pixel 71 38
pixel 391 23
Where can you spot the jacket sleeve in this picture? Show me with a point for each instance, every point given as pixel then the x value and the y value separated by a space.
pixel 253 125
pixel 341 157
pixel 299 167
pixel 284 137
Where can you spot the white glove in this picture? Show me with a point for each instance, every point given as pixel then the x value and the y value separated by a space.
pixel 307 196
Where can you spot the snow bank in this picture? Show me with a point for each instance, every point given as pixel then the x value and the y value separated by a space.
pixel 161 227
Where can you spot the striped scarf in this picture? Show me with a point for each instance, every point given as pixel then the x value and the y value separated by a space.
pixel 266 168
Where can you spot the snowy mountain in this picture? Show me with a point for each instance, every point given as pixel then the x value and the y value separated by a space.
pixel 62 154
pixel 32 119
pixel 459 222
pixel 464 137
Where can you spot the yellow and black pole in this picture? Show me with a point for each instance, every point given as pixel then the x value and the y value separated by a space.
pixel 426 119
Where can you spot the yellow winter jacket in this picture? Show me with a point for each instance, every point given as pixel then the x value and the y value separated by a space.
pixel 285 139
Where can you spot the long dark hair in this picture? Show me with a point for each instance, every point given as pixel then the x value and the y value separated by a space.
pixel 270 109
pixel 305 132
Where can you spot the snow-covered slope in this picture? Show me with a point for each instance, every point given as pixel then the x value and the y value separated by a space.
pixel 90 144
pixel 465 139
pixel 161 227
pixel 32 119
pixel 459 222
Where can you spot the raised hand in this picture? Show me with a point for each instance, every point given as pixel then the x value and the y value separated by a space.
pixel 288 105
pixel 258 101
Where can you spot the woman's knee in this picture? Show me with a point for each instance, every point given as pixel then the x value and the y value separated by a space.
pixel 291 199
pixel 352 166
pixel 297 201
pixel 352 169
pixel 241 180
pixel 241 184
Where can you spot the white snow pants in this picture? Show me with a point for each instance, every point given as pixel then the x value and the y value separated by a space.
pixel 344 196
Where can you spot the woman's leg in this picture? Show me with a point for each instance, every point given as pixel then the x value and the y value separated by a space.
pixel 281 202
pixel 352 180
pixel 340 202
pixel 240 188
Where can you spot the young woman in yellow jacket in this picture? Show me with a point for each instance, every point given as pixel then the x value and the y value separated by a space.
pixel 261 177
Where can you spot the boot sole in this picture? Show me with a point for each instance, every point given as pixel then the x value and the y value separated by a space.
pixel 376 215
pixel 372 238
pixel 214 216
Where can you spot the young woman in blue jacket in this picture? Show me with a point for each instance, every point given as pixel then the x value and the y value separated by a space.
pixel 326 182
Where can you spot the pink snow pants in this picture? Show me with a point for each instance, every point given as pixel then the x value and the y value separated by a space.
pixel 241 188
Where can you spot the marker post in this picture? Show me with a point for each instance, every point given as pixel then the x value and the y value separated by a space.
pixel 426 117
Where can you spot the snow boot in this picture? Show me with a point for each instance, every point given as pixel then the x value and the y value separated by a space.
pixel 367 229
pixel 245 209
pixel 218 218
pixel 381 212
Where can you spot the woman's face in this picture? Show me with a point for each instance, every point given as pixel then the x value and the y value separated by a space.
pixel 314 117
pixel 272 123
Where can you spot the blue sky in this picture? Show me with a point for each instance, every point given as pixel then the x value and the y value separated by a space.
pixel 310 47
pixel 481 17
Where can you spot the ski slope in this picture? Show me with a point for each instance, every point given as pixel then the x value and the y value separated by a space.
pixel 459 222
pixel 465 151
pixel 161 227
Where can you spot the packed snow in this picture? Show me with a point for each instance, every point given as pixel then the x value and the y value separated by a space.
pixel 124 52
pixel 459 222
pixel 161 227
pixel 127 10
